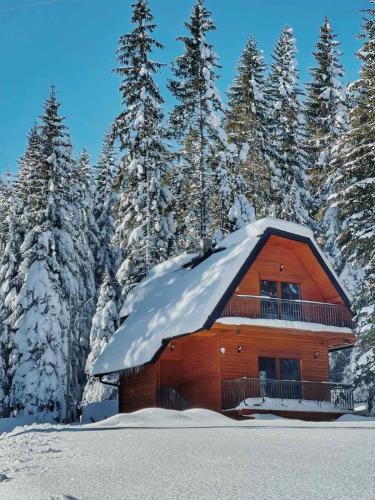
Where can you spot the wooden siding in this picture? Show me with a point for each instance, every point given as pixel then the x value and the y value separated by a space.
pixel 138 391
pixel 200 372
pixel 299 266
pixel 257 342
pixel 196 365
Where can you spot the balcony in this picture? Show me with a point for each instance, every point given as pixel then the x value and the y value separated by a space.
pixel 252 306
pixel 253 392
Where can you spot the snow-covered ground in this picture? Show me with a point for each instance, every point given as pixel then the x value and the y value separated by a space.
pixel 196 454
pixel 304 405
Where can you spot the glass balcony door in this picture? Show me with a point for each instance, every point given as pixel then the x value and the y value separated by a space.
pixel 289 308
pixel 267 377
pixel 279 378
pixel 269 308
pixel 290 371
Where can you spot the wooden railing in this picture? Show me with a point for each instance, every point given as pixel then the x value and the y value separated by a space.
pixel 251 306
pixel 239 390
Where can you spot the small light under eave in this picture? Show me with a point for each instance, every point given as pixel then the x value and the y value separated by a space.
pixel 281 267
pixel 239 348
pixel 172 346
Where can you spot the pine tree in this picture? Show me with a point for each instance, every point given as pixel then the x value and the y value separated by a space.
pixel 4 209
pixel 42 318
pixel 355 201
pixel 247 126
pixel 289 162
pixel 87 249
pixel 16 221
pixel 104 325
pixel 327 120
pixel 106 198
pixel 9 263
pixel 6 194
pixel 106 316
pixel 205 194
pixel 145 229
pixel 230 207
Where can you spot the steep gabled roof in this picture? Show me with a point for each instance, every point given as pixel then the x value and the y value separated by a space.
pixel 177 299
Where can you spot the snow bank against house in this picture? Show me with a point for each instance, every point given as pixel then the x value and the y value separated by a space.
pixel 160 418
pixel 288 405
pixel 355 418
pixel 94 412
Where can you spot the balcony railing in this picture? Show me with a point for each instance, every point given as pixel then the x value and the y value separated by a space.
pixel 252 306
pixel 239 390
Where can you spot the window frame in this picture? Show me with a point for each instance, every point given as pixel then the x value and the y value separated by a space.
pixel 277 364
pixel 278 286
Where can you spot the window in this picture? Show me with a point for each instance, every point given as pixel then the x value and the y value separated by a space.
pixel 290 310
pixel 269 308
pixel 290 291
pixel 279 378
pixel 268 365
pixel 289 369
pixel 270 291
pixel 290 372
pixel 267 377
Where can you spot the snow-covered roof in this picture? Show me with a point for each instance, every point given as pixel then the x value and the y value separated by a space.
pixel 175 300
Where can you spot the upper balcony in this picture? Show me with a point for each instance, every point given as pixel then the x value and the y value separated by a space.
pixel 256 307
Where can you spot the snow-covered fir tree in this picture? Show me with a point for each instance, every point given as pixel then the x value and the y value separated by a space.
pixel 104 324
pixel 327 120
pixel 9 265
pixel 247 126
pixel 105 320
pixel 87 248
pixel 355 201
pixel 4 209
pixel 230 207
pixel 7 184
pixel 205 180
pixel 106 197
pixel 145 228
pixel 48 277
pixel 19 193
pixel 289 161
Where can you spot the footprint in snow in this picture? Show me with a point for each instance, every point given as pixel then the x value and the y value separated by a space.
pixel 3 477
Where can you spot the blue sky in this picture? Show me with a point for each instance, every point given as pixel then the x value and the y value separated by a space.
pixel 72 43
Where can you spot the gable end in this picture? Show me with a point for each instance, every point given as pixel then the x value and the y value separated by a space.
pixel 216 313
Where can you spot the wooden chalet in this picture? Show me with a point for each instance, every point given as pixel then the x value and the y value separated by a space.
pixel 245 328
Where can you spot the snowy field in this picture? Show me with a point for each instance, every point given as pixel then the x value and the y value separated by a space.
pixel 196 454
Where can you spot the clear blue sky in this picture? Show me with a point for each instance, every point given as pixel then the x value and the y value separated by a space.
pixel 72 43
